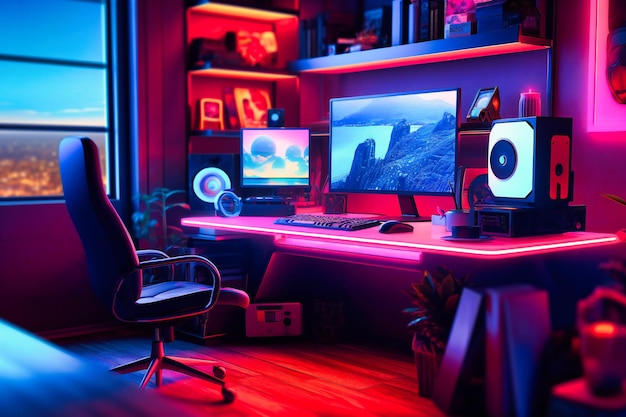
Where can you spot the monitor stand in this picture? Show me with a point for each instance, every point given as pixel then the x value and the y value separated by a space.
pixel 408 208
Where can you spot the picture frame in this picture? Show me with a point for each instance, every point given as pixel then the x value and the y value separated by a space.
pixel 231 118
pixel 377 22
pixel 211 114
pixel 252 106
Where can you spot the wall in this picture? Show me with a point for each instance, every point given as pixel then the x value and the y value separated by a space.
pixel 598 157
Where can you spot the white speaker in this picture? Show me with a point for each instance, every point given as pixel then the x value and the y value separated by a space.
pixel 529 161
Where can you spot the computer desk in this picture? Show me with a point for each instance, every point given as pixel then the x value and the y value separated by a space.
pixel 369 271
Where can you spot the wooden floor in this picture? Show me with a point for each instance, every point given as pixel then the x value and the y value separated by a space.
pixel 275 377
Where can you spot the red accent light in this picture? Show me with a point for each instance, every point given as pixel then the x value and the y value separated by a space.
pixel 482 51
pixel 242 12
pixel 603 329
pixel 243 74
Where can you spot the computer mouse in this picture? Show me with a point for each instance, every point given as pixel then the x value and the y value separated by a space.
pixel 395 226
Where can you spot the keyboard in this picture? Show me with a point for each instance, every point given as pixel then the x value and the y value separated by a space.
pixel 324 221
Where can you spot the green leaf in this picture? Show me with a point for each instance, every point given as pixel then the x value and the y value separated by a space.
pixel 168 194
pixel 451 304
pixel 615 198
pixel 447 287
pixel 428 279
pixel 183 205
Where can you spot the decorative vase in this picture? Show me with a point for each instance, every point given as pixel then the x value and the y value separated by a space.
pixel 427 365
pixel 601 323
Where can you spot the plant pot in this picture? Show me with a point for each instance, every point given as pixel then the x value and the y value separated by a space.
pixel 427 365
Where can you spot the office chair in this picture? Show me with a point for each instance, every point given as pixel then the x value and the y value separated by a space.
pixel 116 269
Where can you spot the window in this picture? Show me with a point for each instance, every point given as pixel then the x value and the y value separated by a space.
pixel 55 82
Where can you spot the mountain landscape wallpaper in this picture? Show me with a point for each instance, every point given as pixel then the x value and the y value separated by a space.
pixel 403 143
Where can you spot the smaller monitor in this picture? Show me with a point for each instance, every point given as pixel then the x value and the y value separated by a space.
pixel 275 157
pixel 486 106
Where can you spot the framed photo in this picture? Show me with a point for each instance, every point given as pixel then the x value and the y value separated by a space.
pixel 377 23
pixel 231 118
pixel 211 114
pixel 252 106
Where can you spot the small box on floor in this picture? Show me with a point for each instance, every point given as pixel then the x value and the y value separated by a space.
pixel 274 319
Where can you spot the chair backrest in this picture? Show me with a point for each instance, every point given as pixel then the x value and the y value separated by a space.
pixel 109 249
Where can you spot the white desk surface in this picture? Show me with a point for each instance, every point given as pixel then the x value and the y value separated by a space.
pixel 425 237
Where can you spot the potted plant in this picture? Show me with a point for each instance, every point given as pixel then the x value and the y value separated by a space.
pixel 434 302
pixel 150 221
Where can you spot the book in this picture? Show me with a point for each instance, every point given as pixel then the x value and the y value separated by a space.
pixel 423 20
pixel 436 14
pixel 458 385
pixel 399 22
pixel 517 329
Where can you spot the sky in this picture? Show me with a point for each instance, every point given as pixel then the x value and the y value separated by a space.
pixel 33 92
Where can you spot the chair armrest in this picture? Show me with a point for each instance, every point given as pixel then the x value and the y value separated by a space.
pixel 148 254
pixel 152 253
pixel 188 260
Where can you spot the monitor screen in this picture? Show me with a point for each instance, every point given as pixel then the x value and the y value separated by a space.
pixel 275 157
pixel 402 143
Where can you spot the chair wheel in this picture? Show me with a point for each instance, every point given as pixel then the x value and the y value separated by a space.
pixel 219 372
pixel 228 395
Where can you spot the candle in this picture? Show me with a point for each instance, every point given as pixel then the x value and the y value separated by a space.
pixel 529 104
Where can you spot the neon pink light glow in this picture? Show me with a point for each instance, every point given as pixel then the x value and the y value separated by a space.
pixel 331 247
pixel 603 112
pixel 424 238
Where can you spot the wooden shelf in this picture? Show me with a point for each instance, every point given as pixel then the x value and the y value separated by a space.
pixel 227 133
pixel 500 42
pixel 242 12
pixel 244 73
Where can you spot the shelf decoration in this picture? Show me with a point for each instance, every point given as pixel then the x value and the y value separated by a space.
pixel 231 118
pixel 206 52
pixel 211 114
pixel 257 48
pixel 377 27
pixel 252 106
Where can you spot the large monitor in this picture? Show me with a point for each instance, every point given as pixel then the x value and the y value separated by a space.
pixel 402 144
pixel 275 158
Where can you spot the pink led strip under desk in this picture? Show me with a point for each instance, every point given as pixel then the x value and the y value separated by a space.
pixel 425 237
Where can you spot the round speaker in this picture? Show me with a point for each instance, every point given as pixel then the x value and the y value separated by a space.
pixel 209 182
pixel 228 204
pixel 511 158
pixel 503 159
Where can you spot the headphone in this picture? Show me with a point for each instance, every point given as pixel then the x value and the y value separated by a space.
pixel 228 204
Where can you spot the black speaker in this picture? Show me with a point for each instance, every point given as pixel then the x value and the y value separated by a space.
pixel 275 117
pixel 209 174
pixel 529 161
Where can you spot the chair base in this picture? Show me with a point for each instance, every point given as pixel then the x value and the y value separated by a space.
pixel 158 361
